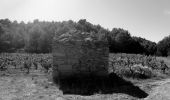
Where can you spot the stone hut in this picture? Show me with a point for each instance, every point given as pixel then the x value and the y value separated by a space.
pixel 78 53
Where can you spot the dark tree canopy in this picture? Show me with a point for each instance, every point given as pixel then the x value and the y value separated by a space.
pixel 148 47
pixel 163 47
pixel 37 36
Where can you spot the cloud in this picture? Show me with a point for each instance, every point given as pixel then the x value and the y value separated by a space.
pixel 166 12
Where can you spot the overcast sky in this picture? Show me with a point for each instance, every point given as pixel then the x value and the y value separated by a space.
pixel 146 18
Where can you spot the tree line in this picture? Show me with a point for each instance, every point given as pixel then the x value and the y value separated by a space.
pixel 37 36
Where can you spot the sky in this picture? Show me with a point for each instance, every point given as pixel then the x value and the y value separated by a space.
pixel 149 19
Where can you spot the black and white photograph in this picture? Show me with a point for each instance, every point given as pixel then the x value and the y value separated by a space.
pixel 84 49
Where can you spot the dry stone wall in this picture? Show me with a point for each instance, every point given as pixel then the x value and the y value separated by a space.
pixel 79 54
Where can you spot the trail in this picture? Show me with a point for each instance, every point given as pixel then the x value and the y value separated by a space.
pixel 161 91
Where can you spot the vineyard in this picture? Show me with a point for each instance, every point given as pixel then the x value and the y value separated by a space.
pixel 124 65
pixel 24 63
pixel 137 66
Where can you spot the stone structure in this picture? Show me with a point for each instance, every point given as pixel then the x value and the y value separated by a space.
pixel 78 54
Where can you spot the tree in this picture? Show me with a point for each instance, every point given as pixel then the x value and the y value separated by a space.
pixel 37 36
pixel 148 47
pixel 34 37
pixel 119 40
pixel 163 47
pixel 5 35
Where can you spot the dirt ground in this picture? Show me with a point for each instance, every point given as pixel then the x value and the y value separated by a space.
pixel 39 87
pixel 27 88
pixel 160 91
pixel 32 87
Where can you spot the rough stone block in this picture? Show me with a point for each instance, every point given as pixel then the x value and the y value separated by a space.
pixel 75 55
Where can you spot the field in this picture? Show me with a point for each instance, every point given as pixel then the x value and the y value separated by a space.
pixel 138 66
pixel 28 77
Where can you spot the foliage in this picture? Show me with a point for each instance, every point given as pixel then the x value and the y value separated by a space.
pixel 124 65
pixel 163 47
pixel 120 40
pixel 136 66
pixel 25 61
pixel 148 47
pixel 37 36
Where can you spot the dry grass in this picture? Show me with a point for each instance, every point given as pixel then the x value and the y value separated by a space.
pixel 38 87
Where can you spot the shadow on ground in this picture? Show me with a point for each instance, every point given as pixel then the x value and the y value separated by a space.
pixel 90 85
